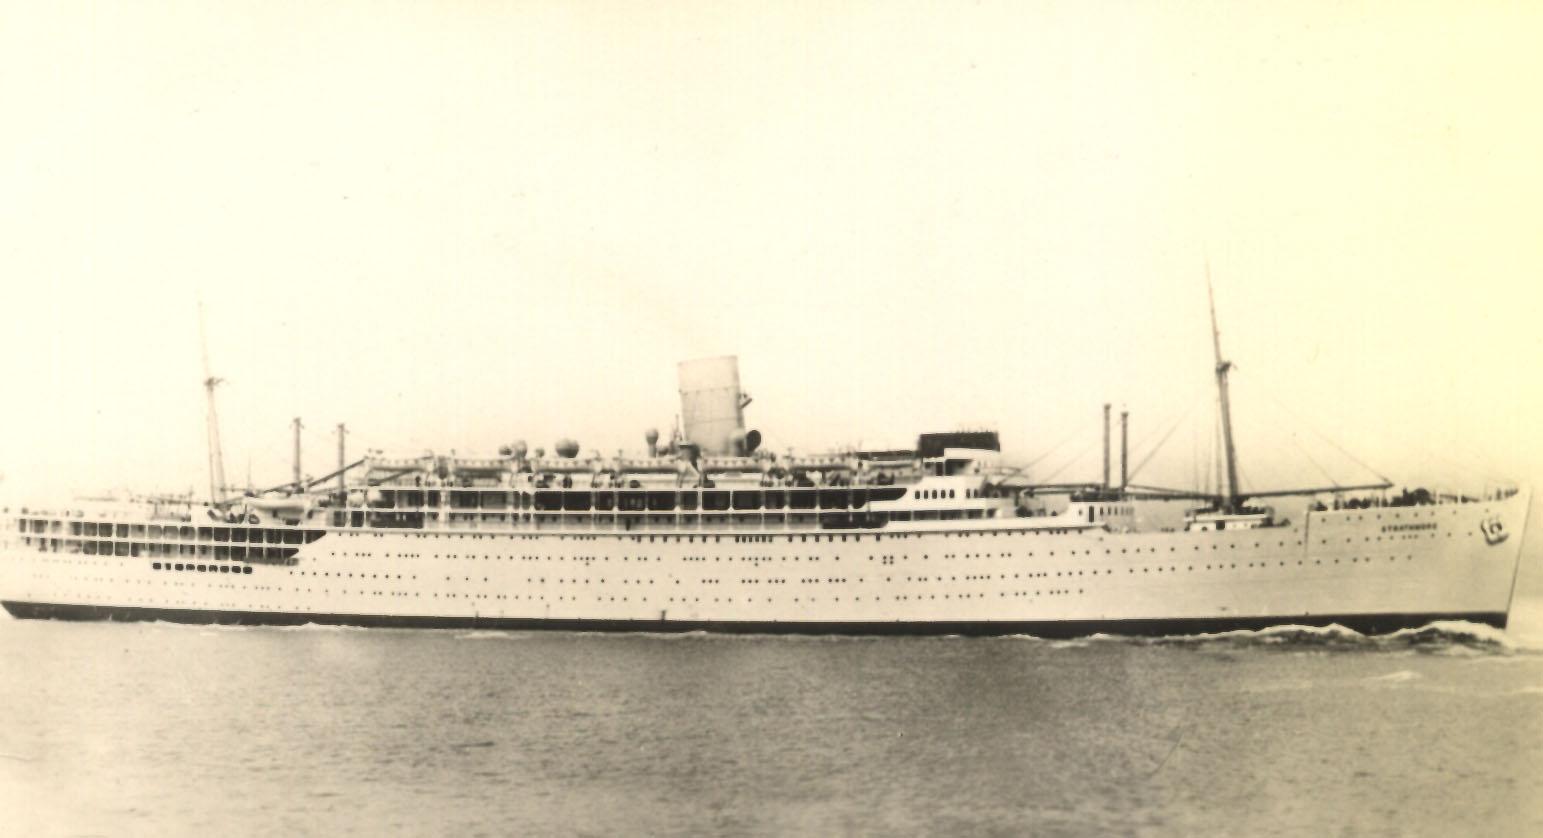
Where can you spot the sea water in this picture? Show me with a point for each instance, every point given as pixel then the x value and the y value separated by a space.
pixel 156 729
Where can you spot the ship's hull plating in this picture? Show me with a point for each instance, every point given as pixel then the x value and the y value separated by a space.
pixel 1373 570
pixel 1364 623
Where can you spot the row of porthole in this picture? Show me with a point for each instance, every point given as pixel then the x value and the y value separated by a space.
pixel 922 579
pixel 718 538
pixel 1331 520
pixel 340 574
pixel 212 568
pixel 889 559
pixel 927 579
pixel 694 559
pixel 1379 538
pixel 728 600
pixel 542 581
pixel 248 570
pixel 113 579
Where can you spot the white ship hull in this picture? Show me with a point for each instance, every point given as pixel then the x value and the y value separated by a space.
pixel 1373 569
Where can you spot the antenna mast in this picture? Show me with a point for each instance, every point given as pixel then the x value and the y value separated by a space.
pixel 1221 388
pixel 216 454
pixel 1124 449
pixel 342 481
pixel 299 484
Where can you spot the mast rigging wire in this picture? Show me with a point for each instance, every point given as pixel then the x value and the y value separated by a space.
pixel 1340 448
pixel 1160 443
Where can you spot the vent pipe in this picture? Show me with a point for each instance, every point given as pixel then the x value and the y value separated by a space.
pixel 1124 449
pixel 1106 444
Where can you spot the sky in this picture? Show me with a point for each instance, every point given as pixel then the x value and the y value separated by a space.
pixel 453 225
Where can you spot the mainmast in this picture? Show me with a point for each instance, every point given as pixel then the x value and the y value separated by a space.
pixel 216 454
pixel 1221 388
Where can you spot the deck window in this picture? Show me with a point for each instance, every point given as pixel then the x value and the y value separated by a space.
pixel 661 501
pixel 549 501
pixel 632 501
pixel 834 498
pixel 750 499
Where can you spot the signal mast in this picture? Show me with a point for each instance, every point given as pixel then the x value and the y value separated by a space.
pixel 216 454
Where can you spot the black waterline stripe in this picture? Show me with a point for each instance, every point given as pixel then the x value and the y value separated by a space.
pixel 1364 623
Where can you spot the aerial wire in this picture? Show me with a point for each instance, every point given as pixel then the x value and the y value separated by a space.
pixel 1076 458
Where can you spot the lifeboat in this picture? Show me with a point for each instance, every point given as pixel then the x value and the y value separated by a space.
pixel 280 505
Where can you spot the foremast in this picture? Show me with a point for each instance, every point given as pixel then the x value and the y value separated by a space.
pixel 1230 498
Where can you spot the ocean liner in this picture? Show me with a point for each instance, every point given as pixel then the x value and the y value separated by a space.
pixel 705 530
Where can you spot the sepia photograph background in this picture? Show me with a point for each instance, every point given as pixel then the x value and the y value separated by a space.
pixel 454 225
